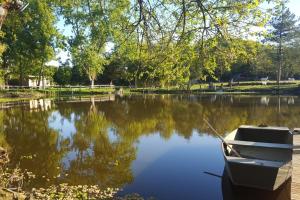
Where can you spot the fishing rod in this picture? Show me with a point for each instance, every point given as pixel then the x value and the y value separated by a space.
pixel 221 138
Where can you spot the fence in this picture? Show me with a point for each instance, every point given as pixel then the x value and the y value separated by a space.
pixel 10 87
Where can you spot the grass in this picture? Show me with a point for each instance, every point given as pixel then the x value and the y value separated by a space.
pixel 5 100
pixel 237 88
pixel 242 87
pixel 9 96
pixel 54 92
pixel 77 91
pixel 25 94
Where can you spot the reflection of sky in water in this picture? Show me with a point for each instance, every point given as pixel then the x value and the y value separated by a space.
pixel 162 161
pixel 66 129
pixel 178 164
pixel 112 135
pixel 64 126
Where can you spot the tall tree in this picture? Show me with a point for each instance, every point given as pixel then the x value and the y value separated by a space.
pixel 204 26
pixel 30 40
pixel 91 62
pixel 63 75
pixel 283 34
pixel 89 21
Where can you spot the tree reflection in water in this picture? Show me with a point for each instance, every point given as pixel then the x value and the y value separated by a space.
pixel 104 142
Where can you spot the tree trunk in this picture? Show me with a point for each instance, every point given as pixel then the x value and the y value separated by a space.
pixel 279 63
pixel 135 81
pixel 41 75
pixel 21 77
pixel 280 54
pixel 92 83
pixel 189 85
pixel 6 74
pixel 43 82
pixel 279 70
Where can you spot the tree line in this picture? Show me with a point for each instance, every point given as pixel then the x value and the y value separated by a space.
pixel 154 43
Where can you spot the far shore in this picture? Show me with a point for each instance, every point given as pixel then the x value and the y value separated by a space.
pixel 251 88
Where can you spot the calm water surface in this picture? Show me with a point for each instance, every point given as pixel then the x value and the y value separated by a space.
pixel 156 146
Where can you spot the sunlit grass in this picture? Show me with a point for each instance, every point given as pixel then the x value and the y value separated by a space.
pixel 237 87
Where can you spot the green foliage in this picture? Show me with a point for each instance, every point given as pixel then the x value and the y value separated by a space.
pixel 158 46
pixel 91 62
pixel 63 75
pixel 155 43
pixel 89 22
pixel 284 36
pixel 31 39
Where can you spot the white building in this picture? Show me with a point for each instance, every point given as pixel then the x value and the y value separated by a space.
pixel 40 104
pixel 32 81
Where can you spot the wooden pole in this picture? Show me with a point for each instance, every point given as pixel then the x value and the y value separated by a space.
pixel 221 138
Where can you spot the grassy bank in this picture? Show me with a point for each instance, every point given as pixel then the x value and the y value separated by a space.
pixel 251 87
pixel 9 96
pixel 76 91
pixel 23 94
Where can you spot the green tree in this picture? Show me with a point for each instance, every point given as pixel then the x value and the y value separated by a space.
pixel 291 60
pixel 205 27
pixel 31 39
pixel 91 62
pixel 89 21
pixel 63 75
pixel 283 34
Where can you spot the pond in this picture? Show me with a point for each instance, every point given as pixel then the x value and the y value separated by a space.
pixel 155 145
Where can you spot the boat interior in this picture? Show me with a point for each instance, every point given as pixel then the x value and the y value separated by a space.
pixel 264 134
pixel 257 143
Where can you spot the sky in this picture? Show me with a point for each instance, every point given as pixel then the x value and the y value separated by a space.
pixel 294 6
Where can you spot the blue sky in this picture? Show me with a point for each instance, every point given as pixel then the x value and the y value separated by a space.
pixel 294 6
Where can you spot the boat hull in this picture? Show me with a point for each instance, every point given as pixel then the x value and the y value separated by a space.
pixel 264 158
pixel 255 176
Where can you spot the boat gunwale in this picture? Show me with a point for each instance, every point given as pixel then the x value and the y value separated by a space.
pixel 285 146
pixel 281 163
pixel 226 157
pixel 285 164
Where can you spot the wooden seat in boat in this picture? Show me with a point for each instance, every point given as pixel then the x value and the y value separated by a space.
pixel 260 144
pixel 258 162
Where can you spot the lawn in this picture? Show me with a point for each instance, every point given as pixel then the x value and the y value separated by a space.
pixel 241 87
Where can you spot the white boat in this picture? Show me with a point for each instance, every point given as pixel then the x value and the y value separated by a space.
pixel 261 156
